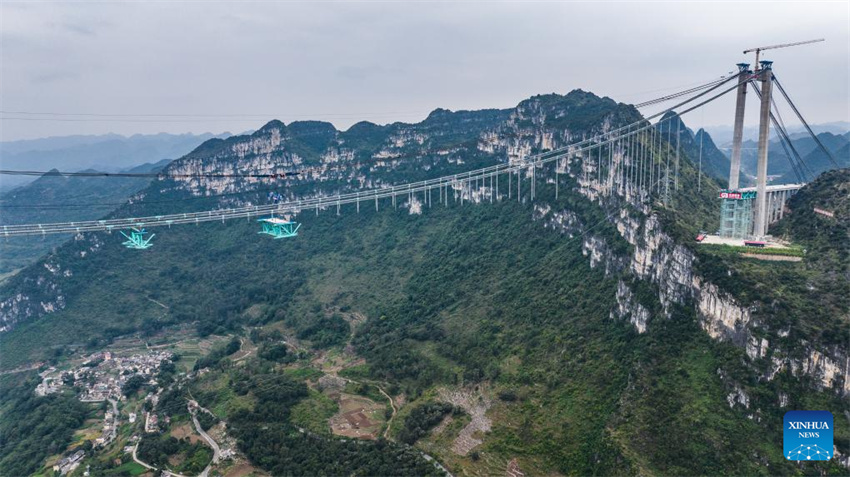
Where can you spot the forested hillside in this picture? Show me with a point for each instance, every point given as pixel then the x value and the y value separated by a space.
pixel 57 198
pixel 571 330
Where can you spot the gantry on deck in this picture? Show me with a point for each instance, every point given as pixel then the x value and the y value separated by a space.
pixel 279 227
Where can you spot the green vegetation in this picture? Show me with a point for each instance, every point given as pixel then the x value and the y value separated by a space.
pixel 323 331
pixel 276 352
pixel 173 403
pixel 123 467
pixel 32 427
pixel 206 420
pixel 810 298
pixel 718 249
pixel 131 469
pixel 218 354
pixel 167 371
pixel 166 451
pixel 465 297
pixel 826 238
pixel 370 391
pixel 268 438
pixel 132 385
pixel 313 412
pixel 465 302
pixel 422 419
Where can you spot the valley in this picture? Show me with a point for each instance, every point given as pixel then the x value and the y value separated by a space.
pixel 568 333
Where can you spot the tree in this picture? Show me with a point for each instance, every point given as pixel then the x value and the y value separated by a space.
pixel 132 385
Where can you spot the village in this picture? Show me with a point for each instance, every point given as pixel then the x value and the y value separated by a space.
pixel 103 377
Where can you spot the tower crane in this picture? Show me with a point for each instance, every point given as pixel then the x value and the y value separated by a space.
pixel 759 49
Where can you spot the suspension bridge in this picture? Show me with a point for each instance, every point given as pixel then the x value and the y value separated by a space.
pixel 637 162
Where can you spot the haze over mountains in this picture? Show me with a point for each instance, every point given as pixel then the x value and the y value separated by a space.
pixel 56 198
pixel 723 133
pixel 815 159
pixel 107 153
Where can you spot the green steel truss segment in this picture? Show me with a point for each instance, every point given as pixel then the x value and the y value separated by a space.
pixel 279 228
pixel 136 240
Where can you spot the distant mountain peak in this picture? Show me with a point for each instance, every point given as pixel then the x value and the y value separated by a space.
pixel 311 126
pixel 439 113
pixel 363 126
pixel 273 124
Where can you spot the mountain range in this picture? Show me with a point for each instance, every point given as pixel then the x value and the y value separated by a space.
pixel 815 159
pixel 723 133
pixel 108 152
pixel 58 198
pixel 581 331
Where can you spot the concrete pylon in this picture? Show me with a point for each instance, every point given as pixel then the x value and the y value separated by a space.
pixel 766 78
pixel 738 133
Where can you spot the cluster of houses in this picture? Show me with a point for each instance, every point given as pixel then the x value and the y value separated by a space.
pixel 151 422
pixel 70 463
pixel 110 426
pixel 50 383
pixel 102 374
pixel 100 378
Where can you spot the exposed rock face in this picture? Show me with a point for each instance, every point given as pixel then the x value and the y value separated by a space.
pixel 601 254
pixel 369 156
pixel 659 260
pixel 330 161
pixel 628 308
pixel 44 295
pixel 739 397
pixel 723 318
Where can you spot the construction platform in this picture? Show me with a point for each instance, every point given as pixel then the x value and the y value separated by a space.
pixel 769 242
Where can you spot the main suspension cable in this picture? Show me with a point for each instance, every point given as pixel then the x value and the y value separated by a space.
pixel 805 124
pixel 795 159
pixel 323 201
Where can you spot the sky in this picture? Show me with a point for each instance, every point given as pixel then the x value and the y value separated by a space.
pixel 189 66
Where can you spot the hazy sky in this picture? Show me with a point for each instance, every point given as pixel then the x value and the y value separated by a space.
pixel 235 65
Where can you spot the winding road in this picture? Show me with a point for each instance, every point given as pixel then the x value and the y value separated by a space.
pixel 150 467
pixel 210 441
pixel 395 410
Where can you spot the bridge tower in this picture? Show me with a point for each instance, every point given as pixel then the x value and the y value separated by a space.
pixel 765 75
pixel 736 208
pixel 738 132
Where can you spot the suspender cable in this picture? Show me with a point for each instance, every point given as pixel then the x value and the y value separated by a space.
pixel 699 175
pixel 678 150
